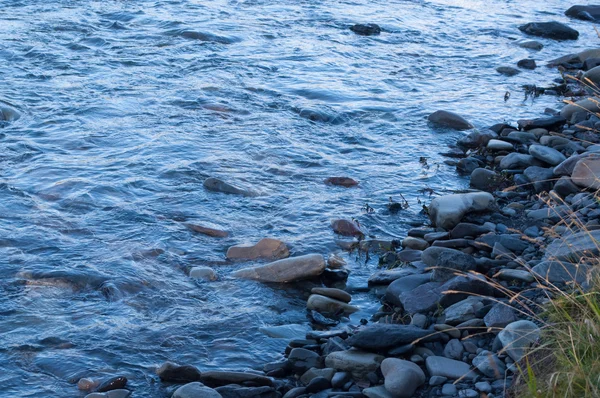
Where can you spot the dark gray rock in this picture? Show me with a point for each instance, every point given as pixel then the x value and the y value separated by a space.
pixel 369 29
pixel 561 272
pixel 301 359
pixel 550 30
pixel 484 179
pixel 450 368
pixel 548 123
pixel 467 165
pixel 541 178
pixel 381 336
pixel 449 120
pixel 499 316
pixel 584 13
pixel 565 187
pixel 175 373
pixel 454 349
pixel 574 247
pixel 476 139
pixel 527 64
pixel 467 229
pixel 507 70
pixel 447 262
pixel 236 391
pixel 511 242
pixel 403 285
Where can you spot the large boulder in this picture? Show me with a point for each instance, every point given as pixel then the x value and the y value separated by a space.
pixel 586 173
pixel 585 13
pixel 449 120
pixel 356 362
pixel 267 248
pixel 577 58
pixel 402 378
pixel 447 211
pixel 286 270
pixel 550 30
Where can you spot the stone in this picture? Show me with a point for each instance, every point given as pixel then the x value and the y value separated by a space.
pixel 285 270
pixel 517 337
pixel 508 274
pixel 380 336
pixel 346 182
pixel 592 75
pixel 483 386
pixel 216 185
pixel 300 360
pixel 550 30
pixel 578 58
pixel 267 248
pixel 215 378
pixel 484 179
pixel 195 390
pixel 449 120
pixel 437 380
pixel 499 316
pixel 404 284
pixel 409 256
pixel 414 243
pixel 329 306
pixel 215 233
pixel 507 70
pixel 340 378
pixel 463 311
pixel 288 332
pixel 586 173
pixel 346 228
pixel 517 161
pixel 468 393
pixel 449 390
pixel 402 378
pixel 565 187
pixel 464 229
pixel 295 392
pixel 585 13
pixel 562 272
pixel 499 145
pixel 388 276
pixel 447 211
pixel 476 139
pixel 530 44
pixel 118 393
pixel 369 29
pixel 447 262
pixel 527 64
pixel 587 104
pixel 355 362
pixel 450 368
pixel 548 123
pixel 467 165
pixel 546 154
pixel 235 391
pixel 205 273
pixel 318 384
pixel 335 262
pixel 114 383
pixel 175 373
pixel 333 293
pixel 541 178
pixel 574 247
pixel 376 392
pixel 312 373
pixel 489 364
pixel 454 349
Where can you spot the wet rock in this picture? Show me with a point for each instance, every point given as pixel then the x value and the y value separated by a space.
pixel 388 276
pixel 447 262
pixel 517 337
pixel 550 30
pixel 447 211
pixel 119 393
pixel 530 44
pixel 175 373
pixel 114 383
pixel 235 391
pixel 267 248
pixel 205 273
pixel 336 294
pixel 379 336
pixel 450 368
pixel 215 378
pixel 414 243
pixel 574 247
pixel 586 173
pixel 548 123
pixel 329 306
pixel 369 29
pixel 357 363
pixel 562 272
pixel 340 378
pixel 592 75
pixel 499 145
pixel 215 233
pixel 499 316
pixel 195 390
pixel 507 70
pixel 584 12
pixel 377 245
pixel 335 262
pixel 546 154
pixel 346 182
pixel 484 179
pixel 409 256
pixel 527 64
pixel 286 270
pixel 449 120
pixel 476 139
pixel 346 228
pixel 402 378
pixel 467 165
pixel 216 185
pixel 87 384
pixel 288 332
pixel 574 59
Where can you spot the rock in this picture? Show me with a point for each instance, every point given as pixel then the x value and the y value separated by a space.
pixel 578 58
pixel 369 29
pixel 376 392
pixel 447 211
pixel 357 363
pixel 449 390
pixel 499 316
pixel 574 247
pixel 530 44
pixel 404 284
pixel 467 165
pixel 587 172
pixel 517 337
pixel 402 378
pixel 585 13
pixel 205 273
pixel 463 311
pixel 318 384
pixel 267 248
pixel 588 104
pixel 329 306
pixel 483 386
pixel 335 262
pixel 511 275
pixel 333 293
pixel 300 360
pixel 215 378
pixel 541 178
pixel 388 276
pixel 216 185
pixel 454 349
pixel 465 229
pixel 195 390
pixel 409 256
pixel 346 228
pixel 288 332
pixel 517 161
pixel 380 336
pixel 175 373
pixel 295 392
pixel 447 262
pixel 565 187
pixel 114 383
pixel 119 393
pixel 521 137
pixel 414 243
pixel 592 75
pixel 562 272
pixel 511 242
pixel 550 30
pixel 235 391
pixel 548 123
pixel 468 393
pixel 527 64
pixel 484 179
pixel 450 368
pixel 286 270
pixel 476 139
pixel 499 145
pixel 507 70
pixel 546 154
pixel 215 233
pixel 346 182
pixel 437 380
pixel 449 120
pixel 312 373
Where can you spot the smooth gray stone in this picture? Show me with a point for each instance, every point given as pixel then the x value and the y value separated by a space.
pixel 449 120
pixel 517 337
pixel 499 316
pixel 547 154
pixel 562 272
pixel 195 390
pixel 574 247
pixel 450 368
pixel 380 336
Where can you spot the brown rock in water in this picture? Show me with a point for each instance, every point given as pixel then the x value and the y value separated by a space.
pixel 346 228
pixel 267 248
pixel 215 233
pixel 333 293
pixel 286 270
pixel 329 306
pixel 341 181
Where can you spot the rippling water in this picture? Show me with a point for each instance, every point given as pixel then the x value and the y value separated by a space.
pixel 126 107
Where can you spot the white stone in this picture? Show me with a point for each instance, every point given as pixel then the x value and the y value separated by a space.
pixel 447 211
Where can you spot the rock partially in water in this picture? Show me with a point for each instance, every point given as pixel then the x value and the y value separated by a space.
pixel 507 70
pixel 205 273
pixel 114 383
pixel 286 270
pixel 447 211
pixel 346 227
pixel 216 378
pixel 329 306
pixel 217 185
pixel 267 248
pixel 215 233
pixel 175 373
pixel 584 12
pixel 8 114
pixel 530 44
pixel 380 336
pixel 550 30
pixel 235 391
pixel 369 29
pixel 449 120
pixel 484 179
pixel 333 293
pixel 334 261
pixel 195 390
pixel 119 393
pixel 527 63
pixel 341 181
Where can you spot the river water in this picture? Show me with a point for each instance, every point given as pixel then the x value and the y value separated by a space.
pixel 126 107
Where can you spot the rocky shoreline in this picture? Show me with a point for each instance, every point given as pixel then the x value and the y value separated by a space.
pixel 459 297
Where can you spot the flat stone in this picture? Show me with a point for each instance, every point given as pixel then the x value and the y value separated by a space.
pixel 402 378
pixel 301 360
pixel 414 243
pixel 587 104
pixel 499 316
pixel 447 262
pixel 517 337
pixel 388 276
pixel 463 311
pixel 329 306
pixel 357 363
pixel 574 247
pixel 345 182
pixel 377 392
pixel 235 391
pixel 285 270
pixel 267 248
pixel 118 393
pixel 447 211
pixel 215 378
pixel 217 185
pixel 333 293
pixel 312 373
pixel 516 160
pixel 586 173
pixel 463 230
pixel 450 368
pixel 547 154
pixel 507 70
pixel 530 44
pixel 195 390
pixel 550 30
pixel 215 233
pixel 288 332
pixel 449 120
pixel 380 336
pixel 562 272
pixel 499 145
pixel 508 274
pixel 454 349
pixel 565 187
pixel 403 285
pixel 541 178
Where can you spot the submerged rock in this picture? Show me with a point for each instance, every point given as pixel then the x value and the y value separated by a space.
pixel 267 248
pixel 216 185
pixel 341 181
pixel 215 233
pixel 449 120
pixel 550 30
pixel 346 228
pixel 328 305
pixel 286 270
pixel 205 273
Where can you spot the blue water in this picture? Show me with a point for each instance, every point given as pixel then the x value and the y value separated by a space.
pixel 126 107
